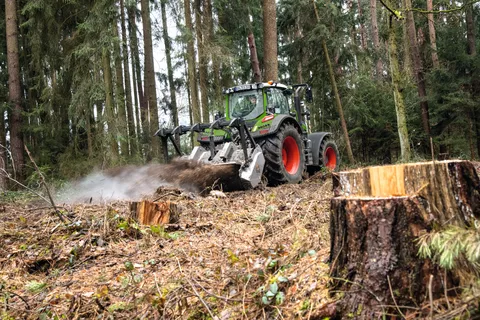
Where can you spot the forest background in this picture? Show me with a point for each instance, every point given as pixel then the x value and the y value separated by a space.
pixel 392 80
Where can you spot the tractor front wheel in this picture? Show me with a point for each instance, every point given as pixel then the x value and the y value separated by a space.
pixel 284 156
pixel 328 156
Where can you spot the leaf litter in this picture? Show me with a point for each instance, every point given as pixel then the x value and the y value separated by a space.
pixel 233 255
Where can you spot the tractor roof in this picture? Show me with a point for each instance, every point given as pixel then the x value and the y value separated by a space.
pixel 255 86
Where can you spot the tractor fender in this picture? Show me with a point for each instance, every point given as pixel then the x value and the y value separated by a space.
pixel 317 138
pixel 280 120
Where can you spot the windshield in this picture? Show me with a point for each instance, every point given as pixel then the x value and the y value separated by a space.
pixel 247 105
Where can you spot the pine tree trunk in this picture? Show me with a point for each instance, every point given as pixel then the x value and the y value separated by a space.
pixel 150 87
pixel 202 59
pixel 217 87
pixel 166 39
pixel 376 39
pixel 140 103
pixel 472 50
pixel 363 37
pixel 378 214
pixel 418 71
pixel 132 139
pixel 398 93
pixel 3 153
pixel 110 107
pixel 270 56
pixel 192 78
pixel 122 128
pixel 338 101
pixel 432 35
pixel 257 76
pixel 14 90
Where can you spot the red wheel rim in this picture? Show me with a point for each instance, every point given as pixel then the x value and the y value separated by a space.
pixel 331 158
pixel 290 155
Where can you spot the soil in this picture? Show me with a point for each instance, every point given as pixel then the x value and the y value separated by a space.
pixel 256 254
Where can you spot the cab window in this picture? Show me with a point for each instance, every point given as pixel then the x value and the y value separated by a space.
pixel 277 101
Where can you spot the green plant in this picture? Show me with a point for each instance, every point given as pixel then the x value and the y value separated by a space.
pixel 273 295
pixel 35 286
pixel 451 246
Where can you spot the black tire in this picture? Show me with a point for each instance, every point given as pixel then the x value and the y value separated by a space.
pixel 328 155
pixel 284 156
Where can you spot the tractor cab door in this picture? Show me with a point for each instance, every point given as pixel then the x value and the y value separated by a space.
pixel 277 102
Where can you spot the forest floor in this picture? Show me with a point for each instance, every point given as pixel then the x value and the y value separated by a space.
pixel 253 254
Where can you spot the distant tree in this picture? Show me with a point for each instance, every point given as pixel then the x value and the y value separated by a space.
pixel 270 57
pixel 150 86
pixel 14 89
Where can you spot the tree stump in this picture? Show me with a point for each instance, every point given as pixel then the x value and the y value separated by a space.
pixel 376 217
pixel 154 213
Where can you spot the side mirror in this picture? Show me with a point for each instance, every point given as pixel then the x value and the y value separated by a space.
pixel 309 95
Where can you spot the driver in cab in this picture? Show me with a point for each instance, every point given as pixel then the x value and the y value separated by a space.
pixel 244 107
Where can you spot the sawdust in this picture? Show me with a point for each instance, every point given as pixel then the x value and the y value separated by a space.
pixel 221 259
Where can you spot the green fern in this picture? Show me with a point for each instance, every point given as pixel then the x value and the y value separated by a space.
pixel 450 246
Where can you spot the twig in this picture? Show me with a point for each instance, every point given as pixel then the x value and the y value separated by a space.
pixel 196 292
pixel 42 179
pixel 393 297
pixel 430 296
pixel 220 297
pixel 446 290
pixel 19 296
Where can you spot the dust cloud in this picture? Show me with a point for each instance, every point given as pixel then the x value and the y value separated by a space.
pixel 136 182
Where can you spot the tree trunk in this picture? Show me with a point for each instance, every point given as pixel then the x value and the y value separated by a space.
pixel 217 88
pixel 132 139
pixel 398 93
pixel 202 60
pixel 257 75
pixel 109 107
pixel 432 35
pixel 363 38
pixel 376 218
pixel 141 106
pixel 418 72
pixel 14 90
pixel 122 128
pixel 168 49
pixel 376 39
pixel 150 87
pixel 192 77
pixel 338 102
pixel 472 50
pixel 270 56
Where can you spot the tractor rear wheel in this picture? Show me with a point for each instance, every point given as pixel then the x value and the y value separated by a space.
pixel 328 155
pixel 284 156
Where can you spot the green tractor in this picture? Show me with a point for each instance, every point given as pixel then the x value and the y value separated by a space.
pixel 262 134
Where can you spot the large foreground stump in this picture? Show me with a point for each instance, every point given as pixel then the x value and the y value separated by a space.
pixel 377 215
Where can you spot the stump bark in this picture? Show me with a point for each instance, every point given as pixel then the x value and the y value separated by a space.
pixel 376 217
pixel 154 213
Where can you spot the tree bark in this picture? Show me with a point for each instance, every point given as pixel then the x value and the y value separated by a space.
pixel 168 49
pixel 376 39
pixel 257 75
pixel 141 106
pixel 150 84
pixel 432 35
pixel 109 107
pixel 14 90
pixel 154 213
pixel 132 139
pixel 376 218
pixel 192 77
pixel 363 38
pixel 338 101
pixel 472 50
pixel 270 56
pixel 202 59
pixel 122 128
pixel 405 150
pixel 418 72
